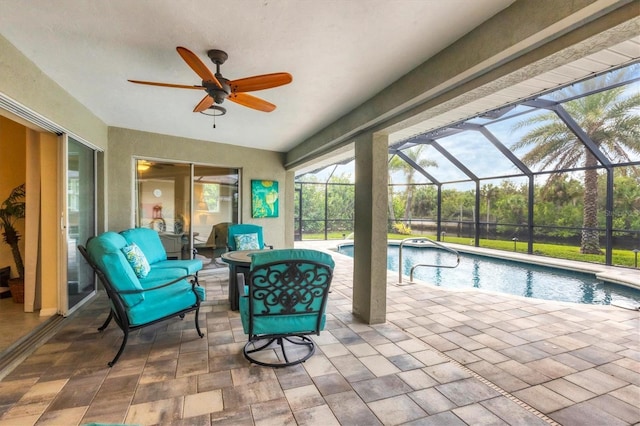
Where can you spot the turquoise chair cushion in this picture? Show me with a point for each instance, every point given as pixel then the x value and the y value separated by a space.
pixel 269 256
pixel 106 252
pixel 243 228
pixel 188 266
pixel 149 242
pixel 162 302
pixel 280 324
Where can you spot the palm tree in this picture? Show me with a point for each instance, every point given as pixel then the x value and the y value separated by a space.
pixel 398 164
pixel 12 209
pixel 491 193
pixel 611 121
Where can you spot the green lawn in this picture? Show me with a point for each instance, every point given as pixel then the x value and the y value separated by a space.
pixel 619 257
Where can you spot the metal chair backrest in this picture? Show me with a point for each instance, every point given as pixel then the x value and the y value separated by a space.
pixel 292 283
pixel 118 305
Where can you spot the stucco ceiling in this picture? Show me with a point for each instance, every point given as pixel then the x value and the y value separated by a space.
pixel 340 54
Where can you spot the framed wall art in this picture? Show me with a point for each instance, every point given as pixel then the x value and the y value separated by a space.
pixel 264 198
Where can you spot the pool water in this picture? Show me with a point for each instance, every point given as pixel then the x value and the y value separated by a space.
pixel 505 276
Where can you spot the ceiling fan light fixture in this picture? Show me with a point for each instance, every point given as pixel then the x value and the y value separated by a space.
pixel 214 111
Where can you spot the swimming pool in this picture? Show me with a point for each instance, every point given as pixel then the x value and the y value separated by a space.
pixel 506 276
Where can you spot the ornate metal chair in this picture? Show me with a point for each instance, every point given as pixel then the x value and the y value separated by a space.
pixel 283 303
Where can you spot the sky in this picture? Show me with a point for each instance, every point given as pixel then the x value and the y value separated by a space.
pixel 476 152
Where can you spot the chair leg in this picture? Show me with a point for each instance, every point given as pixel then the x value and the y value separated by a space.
pixel 284 351
pixel 258 349
pixel 198 325
pixel 304 341
pixel 299 340
pixel 106 323
pixel 124 343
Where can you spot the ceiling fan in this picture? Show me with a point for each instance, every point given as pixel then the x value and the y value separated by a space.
pixel 219 88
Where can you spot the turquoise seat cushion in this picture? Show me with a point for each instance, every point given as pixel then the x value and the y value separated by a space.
pixel 165 301
pixel 106 252
pixel 161 276
pixel 149 242
pixel 279 324
pixel 188 266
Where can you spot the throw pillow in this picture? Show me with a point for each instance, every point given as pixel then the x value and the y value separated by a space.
pixel 137 260
pixel 247 242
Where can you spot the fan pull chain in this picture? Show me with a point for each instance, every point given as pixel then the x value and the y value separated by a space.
pixel 214 111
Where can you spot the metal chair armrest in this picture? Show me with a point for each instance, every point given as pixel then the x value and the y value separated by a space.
pixel 240 283
pixel 193 284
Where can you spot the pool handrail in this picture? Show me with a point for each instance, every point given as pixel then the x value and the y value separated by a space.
pixel 429 240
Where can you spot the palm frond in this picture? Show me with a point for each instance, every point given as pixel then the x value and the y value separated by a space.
pixel 16 194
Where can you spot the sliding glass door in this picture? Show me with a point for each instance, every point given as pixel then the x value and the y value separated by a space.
pixel 81 220
pixel 215 190
pixel 184 202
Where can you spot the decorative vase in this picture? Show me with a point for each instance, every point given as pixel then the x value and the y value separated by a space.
pixel 16 285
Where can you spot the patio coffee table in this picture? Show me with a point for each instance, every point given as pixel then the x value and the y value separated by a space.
pixel 239 261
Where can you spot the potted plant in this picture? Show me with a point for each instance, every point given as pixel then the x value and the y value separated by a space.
pixel 11 210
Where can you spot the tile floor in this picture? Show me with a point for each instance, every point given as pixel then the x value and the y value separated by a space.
pixel 15 323
pixel 442 358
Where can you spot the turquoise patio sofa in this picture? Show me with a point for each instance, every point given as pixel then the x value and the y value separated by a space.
pixel 165 289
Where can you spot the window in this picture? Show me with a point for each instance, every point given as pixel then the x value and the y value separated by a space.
pixel 210 197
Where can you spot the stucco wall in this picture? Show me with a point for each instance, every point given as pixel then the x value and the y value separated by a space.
pixel 126 144
pixel 26 84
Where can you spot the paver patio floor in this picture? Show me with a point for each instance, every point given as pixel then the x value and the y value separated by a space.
pixel 442 358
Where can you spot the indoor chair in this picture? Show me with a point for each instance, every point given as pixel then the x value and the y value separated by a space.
pixel 245 236
pixel 216 243
pixel 282 303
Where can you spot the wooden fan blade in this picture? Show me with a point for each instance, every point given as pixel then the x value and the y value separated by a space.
pixel 250 101
pixel 177 86
pixel 197 65
pixel 204 104
pixel 260 82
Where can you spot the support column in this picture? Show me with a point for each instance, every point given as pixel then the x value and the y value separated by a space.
pixel 289 199
pixel 370 241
